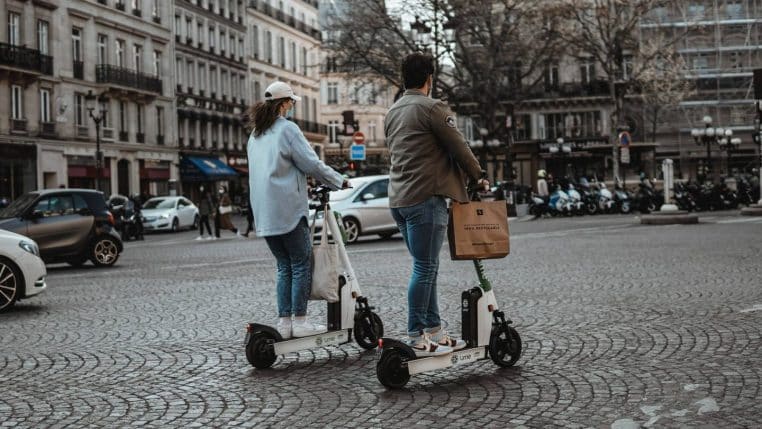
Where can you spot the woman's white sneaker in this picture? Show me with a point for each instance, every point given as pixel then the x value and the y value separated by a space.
pixel 424 347
pixel 304 328
pixel 443 339
pixel 284 327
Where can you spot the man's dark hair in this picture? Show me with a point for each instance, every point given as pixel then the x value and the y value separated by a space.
pixel 416 68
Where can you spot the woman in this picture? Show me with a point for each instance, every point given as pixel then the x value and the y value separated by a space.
pixel 224 209
pixel 280 158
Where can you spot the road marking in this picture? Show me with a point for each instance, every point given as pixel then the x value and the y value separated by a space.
pixel 743 220
pixel 755 307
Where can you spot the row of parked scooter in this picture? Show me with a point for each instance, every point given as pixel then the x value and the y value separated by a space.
pixel 570 198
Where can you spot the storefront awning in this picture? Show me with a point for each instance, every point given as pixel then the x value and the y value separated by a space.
pixel 204 169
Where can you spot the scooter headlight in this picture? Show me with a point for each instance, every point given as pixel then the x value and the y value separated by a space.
pixel 29 247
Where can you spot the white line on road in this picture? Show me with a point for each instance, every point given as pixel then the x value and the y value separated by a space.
pixel 756 307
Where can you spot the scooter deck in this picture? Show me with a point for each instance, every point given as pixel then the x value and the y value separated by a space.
pixel 456 358
pixel 330 338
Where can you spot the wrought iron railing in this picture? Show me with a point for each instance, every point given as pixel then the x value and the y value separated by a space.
pixel 105 73
pixel 25 58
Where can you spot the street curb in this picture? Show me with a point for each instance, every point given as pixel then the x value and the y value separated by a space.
pixel 678 217
pixel 752 210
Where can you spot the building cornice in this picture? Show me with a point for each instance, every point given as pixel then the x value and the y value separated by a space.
pixel 190 7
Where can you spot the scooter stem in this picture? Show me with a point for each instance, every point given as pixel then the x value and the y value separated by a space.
pixel 484 283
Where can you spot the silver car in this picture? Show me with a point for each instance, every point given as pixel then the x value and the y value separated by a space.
pixel 364 208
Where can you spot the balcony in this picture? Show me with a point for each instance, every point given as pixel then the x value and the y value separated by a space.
pixel 120 6
pixel 82 131
pixel 25 58
pixel 79 69
pixel 189 41
pixel 18 125
pixel 123 136
pixel 140 137
pixel 177 38
pixel 48 129
pixel 159 139
pixel 137 12
pixel 105 73
pixel 156 19
pixel 102 1
pixel 107 134
pixel 181 141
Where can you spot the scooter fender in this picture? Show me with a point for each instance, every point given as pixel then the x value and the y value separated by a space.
pixel 486 303
pixel 253 328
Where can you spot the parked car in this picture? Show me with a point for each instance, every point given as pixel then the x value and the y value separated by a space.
pixel 22 272
pixel 364 208
pixel 70 225
pixel 169 213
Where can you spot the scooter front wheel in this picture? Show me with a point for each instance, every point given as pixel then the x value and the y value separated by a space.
pixel 391 370
pixel 259 351
pixel 504 345
pixel 368 329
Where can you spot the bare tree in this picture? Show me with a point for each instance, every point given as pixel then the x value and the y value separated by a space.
pixel 489 53
pixel 611 32
pixel 662 87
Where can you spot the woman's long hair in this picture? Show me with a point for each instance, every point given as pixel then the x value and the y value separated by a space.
pixel 262 115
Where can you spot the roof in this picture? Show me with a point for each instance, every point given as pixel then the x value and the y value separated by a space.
pixel 58 190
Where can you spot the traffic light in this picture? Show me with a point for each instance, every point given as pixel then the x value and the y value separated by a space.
pixel 757 137
pixel 350 124
pixel 352 165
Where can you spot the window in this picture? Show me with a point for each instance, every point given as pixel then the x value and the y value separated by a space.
pixel 178 25
pixel 244 97
pixel 189 27
pixel 120 53
pixel 212 33
pixel 255 41
pixel 700 61
pixel 123 118
pixel 79 109
pixel 179 70
pixel 200 33
pixel 696 11
pixel 232 45
pixel 42 36
pixel 269 47
pixel 587 71
pixel 293 56
pixel 139 118
pixel 17 102
pixel 372 130
pixel 282 51
pixel 76 44
pixel 333 131
pixel 14 28
pixel 570 124
pixel 137 55
pixel 736 60
pixel 378 189
pixel 213 80
pixel 626 68
pixel 734 9
pixel 224 82
pixel 157 63
pixel 551 77
pixel 191 81
pixel 58 205
pixel 257 91
pixel 136 5
pixel 240 47
pixel 202 76
pixel 102 49
pixel 44 105
pixel 333 93
pixel 160 121
pixel 155 12
pixel 304 61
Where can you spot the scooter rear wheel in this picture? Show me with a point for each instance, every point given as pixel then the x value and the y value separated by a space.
pixel 390 370
pixel 368 329
pixel 504 345
pixel 259 352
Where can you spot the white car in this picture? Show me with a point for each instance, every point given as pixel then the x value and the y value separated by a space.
pixel 364 208
pixel 22 272
pixel 169 213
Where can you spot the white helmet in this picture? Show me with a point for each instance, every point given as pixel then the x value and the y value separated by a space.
pixel 541 174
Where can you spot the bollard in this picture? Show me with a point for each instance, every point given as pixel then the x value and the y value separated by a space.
pixel 669 186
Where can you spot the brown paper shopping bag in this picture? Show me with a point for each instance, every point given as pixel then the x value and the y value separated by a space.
pixel 478 230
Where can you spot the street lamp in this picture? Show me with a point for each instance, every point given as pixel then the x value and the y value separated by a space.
pixel 97 108
pixel 708 136
pixel 422 30
pixel 563 148
pixel 729 144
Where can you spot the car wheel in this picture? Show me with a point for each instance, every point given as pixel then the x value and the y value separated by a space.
pixel 104 252
pixel 175 225
pixel 352 228
pixel 196 220
pixel 11 284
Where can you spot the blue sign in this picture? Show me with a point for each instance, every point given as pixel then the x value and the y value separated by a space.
pixel 357 152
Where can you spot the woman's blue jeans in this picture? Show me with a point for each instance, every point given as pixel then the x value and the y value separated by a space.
pixel 292 253
pixel 423 227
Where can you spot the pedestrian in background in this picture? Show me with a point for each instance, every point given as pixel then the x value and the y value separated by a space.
pixel 280 160
pixel 205 210
pixel 224 210
pixel 429 157
pixel 249 220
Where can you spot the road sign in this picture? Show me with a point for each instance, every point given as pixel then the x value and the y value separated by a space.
pixel 357 152
pixel 358 138
pixel 625 155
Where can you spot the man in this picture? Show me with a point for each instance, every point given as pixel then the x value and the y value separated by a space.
pixel 542 186
pixel 429 157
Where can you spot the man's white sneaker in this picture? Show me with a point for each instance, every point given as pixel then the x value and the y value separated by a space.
pixel 303 328
pixel 210 238
pixel 199 238
pixel 443 339
pixel 424 347
pixel 284 327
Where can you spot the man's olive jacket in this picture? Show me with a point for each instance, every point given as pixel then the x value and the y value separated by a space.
pixel 428 153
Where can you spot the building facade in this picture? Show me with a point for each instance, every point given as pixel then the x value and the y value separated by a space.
pixel 284 41
pixel 721 46
pixel 53 56
pixel 212 90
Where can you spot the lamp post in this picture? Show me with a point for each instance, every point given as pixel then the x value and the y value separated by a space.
pixel 560 147
pixel 96 107
pixel 708 136
pixel 422 28
pixel 729 144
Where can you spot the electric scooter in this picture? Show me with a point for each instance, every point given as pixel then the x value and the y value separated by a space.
pixel 350 316
pixel 485 330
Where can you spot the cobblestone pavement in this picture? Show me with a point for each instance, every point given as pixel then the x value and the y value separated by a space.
pixel 623 325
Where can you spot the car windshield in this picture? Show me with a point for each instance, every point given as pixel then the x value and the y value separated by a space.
pixel 159 203
pixel 17 207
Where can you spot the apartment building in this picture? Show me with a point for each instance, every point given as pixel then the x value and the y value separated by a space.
pixel 212 92
pixel 721 48
pixel 54 56
pixel 284 40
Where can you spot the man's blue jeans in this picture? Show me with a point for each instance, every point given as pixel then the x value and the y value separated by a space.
pixel 423 227
pixel 292 252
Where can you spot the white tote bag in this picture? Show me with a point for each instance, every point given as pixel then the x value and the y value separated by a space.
pixel 325 265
